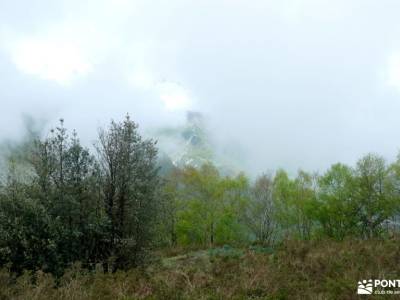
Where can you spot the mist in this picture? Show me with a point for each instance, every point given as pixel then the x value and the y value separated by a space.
pixel 291 84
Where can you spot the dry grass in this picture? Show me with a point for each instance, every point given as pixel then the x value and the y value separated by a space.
pixel 296 270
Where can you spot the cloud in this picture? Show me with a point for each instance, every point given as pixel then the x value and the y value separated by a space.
pixel 393 71
pixel 54 59
pixel 173 95
pixel 85 34
pixel 293 81
pixel 321 10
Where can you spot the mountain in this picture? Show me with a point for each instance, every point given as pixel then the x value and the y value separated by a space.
pixel 190 145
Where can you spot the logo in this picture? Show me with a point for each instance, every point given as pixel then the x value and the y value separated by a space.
pixel 379 286
pixel 365 287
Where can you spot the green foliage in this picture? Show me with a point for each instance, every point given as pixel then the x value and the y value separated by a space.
pixel 28 238
pixel 225 252
pixel 357 201
pixel 294 201
pixel 206 209
pixel 295 270
pixel 61 214
pixel 376 199
pixel 130 184
pixel 59 204
pixel 209 207
pixel 336 204
pixel 261 214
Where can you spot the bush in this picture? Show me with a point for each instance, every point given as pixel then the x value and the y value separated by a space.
pixel 297 270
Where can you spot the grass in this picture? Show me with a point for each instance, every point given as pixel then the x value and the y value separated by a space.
pixel 294 270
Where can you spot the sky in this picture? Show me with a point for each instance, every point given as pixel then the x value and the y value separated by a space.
pixel 291 83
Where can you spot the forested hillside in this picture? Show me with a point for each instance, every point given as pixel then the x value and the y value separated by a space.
pixel 114 210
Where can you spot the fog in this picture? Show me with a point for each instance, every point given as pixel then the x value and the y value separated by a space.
pixel 292 84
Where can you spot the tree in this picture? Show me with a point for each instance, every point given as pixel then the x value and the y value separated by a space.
pixel 130 186
pixel 200 202
pixel 336 205
pixel 231 226
pixel 169 207
pixel 375 195
pixel 261 211
pixel 211 208
pixel 27 235
pixel 66 183
pixel 294 201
